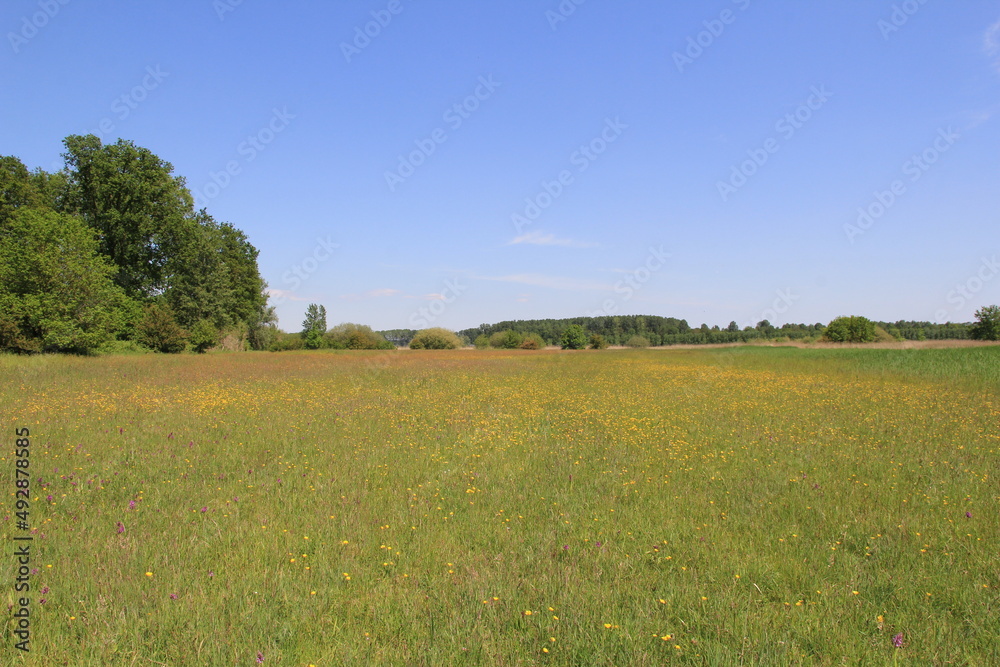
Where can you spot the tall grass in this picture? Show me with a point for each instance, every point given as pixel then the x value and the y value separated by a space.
pixel 757 507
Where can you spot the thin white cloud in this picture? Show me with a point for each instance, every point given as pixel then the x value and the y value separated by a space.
pixel 991 44
pixel 433 296
pixel 538 237
pixel 284 294
pixel 552 282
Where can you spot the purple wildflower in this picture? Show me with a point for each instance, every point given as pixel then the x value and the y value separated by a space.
pixel 173 596
pixel 131 504
pixel 49 498
pixel 897 641
pixel 260 657
pixel 204 509
pixel 968 515
pixel 121 527
pixel 45 590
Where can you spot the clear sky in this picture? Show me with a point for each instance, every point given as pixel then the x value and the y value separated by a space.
pixel 417 162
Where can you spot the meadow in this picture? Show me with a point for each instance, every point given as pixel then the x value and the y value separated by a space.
pixel 739 506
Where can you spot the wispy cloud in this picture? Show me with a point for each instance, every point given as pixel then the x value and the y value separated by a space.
pixel 538 237
pixel 991 44
pixel 434 296
pixel 552 282
pixel 284 294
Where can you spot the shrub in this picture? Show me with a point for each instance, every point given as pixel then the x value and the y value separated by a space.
pixel 597 342
pixel 435 338
pixel 348 336
pixel 532 341
pixel 286 341
pixel 203 335
pixel 159 331
pixel 883 336
pixel 482 342
pixel 637 341
pixel 853 329
pixel 574 338
pixel 987 326
pixel 506 340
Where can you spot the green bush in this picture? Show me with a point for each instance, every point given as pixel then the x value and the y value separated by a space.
pixel 435 338
pixel 637 341
pixel 202 336
pixel 482 342
pixel 574 338
pixel 597 342
pixel 853 329
pixel 159 331
pixel 532 341
pixel 348 336
pixel 286 341
pixel 506 340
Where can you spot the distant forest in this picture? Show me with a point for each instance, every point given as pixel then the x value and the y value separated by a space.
pixel 620 329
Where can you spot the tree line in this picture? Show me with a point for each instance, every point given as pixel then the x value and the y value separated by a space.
pixel 645 330
pixel 110 253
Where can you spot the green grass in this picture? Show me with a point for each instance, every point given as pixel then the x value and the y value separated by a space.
pixel 756 506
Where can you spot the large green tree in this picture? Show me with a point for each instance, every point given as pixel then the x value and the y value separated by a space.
pixel 987 326
pixel 134 202
pixel 56 291
pixel 314 326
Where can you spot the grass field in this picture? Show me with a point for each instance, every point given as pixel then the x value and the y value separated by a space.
pixel 751 506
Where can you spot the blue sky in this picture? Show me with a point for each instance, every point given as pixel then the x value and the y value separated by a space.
pixel 413 163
